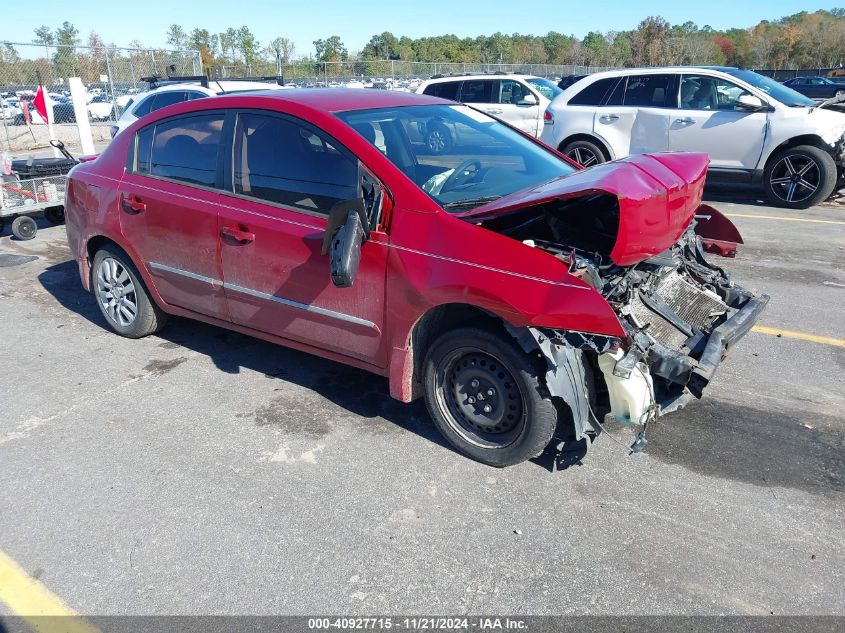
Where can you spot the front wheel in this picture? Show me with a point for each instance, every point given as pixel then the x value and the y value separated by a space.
pixel 486 398
pixel 799 177
pixel 122 297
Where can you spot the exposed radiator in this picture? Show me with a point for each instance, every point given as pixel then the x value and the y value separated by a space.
pixel 694 306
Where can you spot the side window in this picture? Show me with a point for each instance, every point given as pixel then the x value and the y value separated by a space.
pixel 700 92
pixel 444 90
pixel 479 91
pixel 281 161
pixel 512 92
pixel 183 149
pixel 593 95
pixel 143 106
pixel 649 91
pixel 193 94
pixel 163 99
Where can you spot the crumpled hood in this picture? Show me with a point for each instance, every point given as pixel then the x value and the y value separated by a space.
pixel 658 195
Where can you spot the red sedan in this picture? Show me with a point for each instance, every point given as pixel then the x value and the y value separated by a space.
pixel 515 292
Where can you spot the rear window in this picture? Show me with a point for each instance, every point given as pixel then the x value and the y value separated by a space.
pixel 183 149
pixel 444 90
pixel 479 91
pixel 649 91
pixel 593 95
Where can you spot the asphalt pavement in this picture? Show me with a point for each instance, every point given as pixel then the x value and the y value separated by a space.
pixel 200 471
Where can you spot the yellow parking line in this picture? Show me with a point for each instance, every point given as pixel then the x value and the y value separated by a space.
pixel 801 336
pixel 781 217
pixel 30 600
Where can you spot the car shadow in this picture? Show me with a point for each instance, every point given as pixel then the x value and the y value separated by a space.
pixel 357 391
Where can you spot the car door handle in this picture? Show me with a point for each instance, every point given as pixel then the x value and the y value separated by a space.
pixel 685 121
pixel 494 110
pixel 238 234
pixel 132 203
pixel 607 118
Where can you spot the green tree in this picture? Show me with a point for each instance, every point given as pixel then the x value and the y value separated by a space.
pixel 331 50
pixel 176 37
pixel 281 50
pixel 248 46
pixel 65 59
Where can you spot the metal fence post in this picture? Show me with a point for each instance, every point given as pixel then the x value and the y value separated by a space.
pixel 326 73
pixel 113 112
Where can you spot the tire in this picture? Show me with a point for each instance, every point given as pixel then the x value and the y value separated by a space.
pixel 799 177
pixel 113 265
pixel 584 153
pixel 520 421
pixel 55 215
pixel 438 140
pixel 24 228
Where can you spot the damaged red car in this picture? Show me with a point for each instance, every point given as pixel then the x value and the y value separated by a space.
pixel 519 295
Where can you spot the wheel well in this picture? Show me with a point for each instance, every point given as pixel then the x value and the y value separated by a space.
pixel 96 243
pixel 804 139
pixel 438 320
pixel 588 138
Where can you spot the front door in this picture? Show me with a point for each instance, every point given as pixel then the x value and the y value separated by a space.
pixel 710 121
pixel 286 176
pixel 168 210
pixel 515 111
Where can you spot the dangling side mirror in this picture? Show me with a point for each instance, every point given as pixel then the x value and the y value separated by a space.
pixel 347 230
pixel 750 103
pixel 528 100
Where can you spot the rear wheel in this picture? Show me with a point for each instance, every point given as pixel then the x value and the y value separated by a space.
pixel 486 398
pixel 24 228
pixel 122 296
pixel 584 153
pixel 799 177
pixel 438 140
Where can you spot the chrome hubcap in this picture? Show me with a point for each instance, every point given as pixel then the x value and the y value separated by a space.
pixel 795 178
pixel 116 293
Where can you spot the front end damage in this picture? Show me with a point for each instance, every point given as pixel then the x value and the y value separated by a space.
pixel 681 313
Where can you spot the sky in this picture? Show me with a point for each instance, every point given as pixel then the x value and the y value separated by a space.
pixel 355 21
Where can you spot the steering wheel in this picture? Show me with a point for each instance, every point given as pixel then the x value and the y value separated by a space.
pixel 461 175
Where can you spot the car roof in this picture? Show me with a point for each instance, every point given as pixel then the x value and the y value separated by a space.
pixel 345 99
pixel 473 76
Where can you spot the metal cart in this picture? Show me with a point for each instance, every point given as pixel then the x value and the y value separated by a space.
pixel 25 192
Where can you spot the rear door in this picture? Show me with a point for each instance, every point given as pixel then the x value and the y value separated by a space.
pixel 645 108
pixel 709 120
pixel 169 207
pixel 285 177
pixel 515 111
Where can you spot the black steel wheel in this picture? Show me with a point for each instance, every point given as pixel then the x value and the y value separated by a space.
pixel 799 177
pixel 484 395
pixel 24 228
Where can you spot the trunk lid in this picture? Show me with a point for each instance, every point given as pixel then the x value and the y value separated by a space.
pixel 657 195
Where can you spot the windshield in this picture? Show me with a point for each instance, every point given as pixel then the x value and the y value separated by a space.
pixel 545 87
pixel 460 157
pixel 778 91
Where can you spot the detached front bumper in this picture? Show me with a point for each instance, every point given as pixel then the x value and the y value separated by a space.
pixel 721 340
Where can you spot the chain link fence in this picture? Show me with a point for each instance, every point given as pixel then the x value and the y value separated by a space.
pixel 389 73
pixel 111 75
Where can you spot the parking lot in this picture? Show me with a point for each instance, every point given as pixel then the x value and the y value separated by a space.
pixel 201 471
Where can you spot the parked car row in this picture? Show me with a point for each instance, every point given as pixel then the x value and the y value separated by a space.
pixel 754 129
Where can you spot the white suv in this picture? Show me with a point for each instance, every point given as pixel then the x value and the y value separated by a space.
pixel 519 100
pixel 754 129
pixel 171 93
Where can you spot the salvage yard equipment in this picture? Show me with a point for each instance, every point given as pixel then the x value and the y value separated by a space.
pixel 35 185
